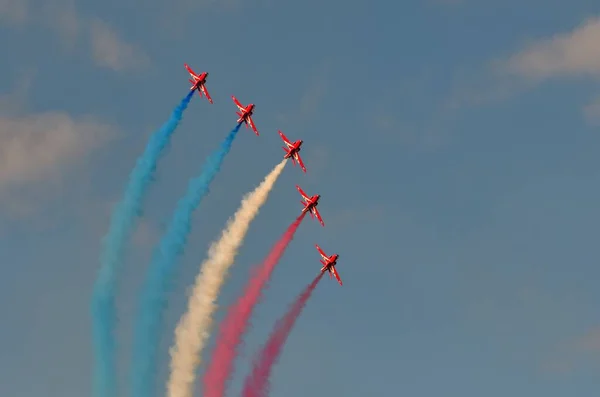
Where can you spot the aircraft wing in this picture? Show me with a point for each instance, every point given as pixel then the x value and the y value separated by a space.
pixel 285 140
pixel 323 255
pixel 299 160
pixel 251 122
pixel 333 270
pixel 304 195
pixel 237 103
pixel 205 91
pixel 190 71
pixel 318 215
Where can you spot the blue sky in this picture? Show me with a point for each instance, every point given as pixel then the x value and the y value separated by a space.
pixel 454 144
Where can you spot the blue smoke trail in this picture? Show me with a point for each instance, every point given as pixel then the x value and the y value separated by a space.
pixel 121 225
pixel 154 295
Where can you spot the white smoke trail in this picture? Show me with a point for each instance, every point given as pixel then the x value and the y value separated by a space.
pixel 193 329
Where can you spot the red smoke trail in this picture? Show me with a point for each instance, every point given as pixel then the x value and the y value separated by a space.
pixel 236 322
pixel 257 382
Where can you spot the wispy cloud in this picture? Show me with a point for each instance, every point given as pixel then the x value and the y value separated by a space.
pixel 582 350
pixel 14 12
pixel 448 2
pixel 62 17
pixel 316 90
pixel 110 51
pixel 15 101
pixel 570 54
pixel 39 145
pixel 312 96
pixel 592 112
pixel 44 160
pixel 573 53
pixel 403 121
pixel 318 157
pixel 428 134
pixel 346 217
pixel 590 341
pixel 38 149
pixel 176 14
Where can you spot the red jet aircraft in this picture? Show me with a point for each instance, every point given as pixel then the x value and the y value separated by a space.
pixel 292 149
pixel 198 82
pixel 310 204
pixel 245 115
pixel 329 263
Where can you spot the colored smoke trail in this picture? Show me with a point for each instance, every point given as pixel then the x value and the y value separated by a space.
pixel 193 329
pixel 121 224
pixel 257 382
pixel 237 319
pixel 160 274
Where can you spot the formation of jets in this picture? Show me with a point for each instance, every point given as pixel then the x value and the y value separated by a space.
pixel 291 149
